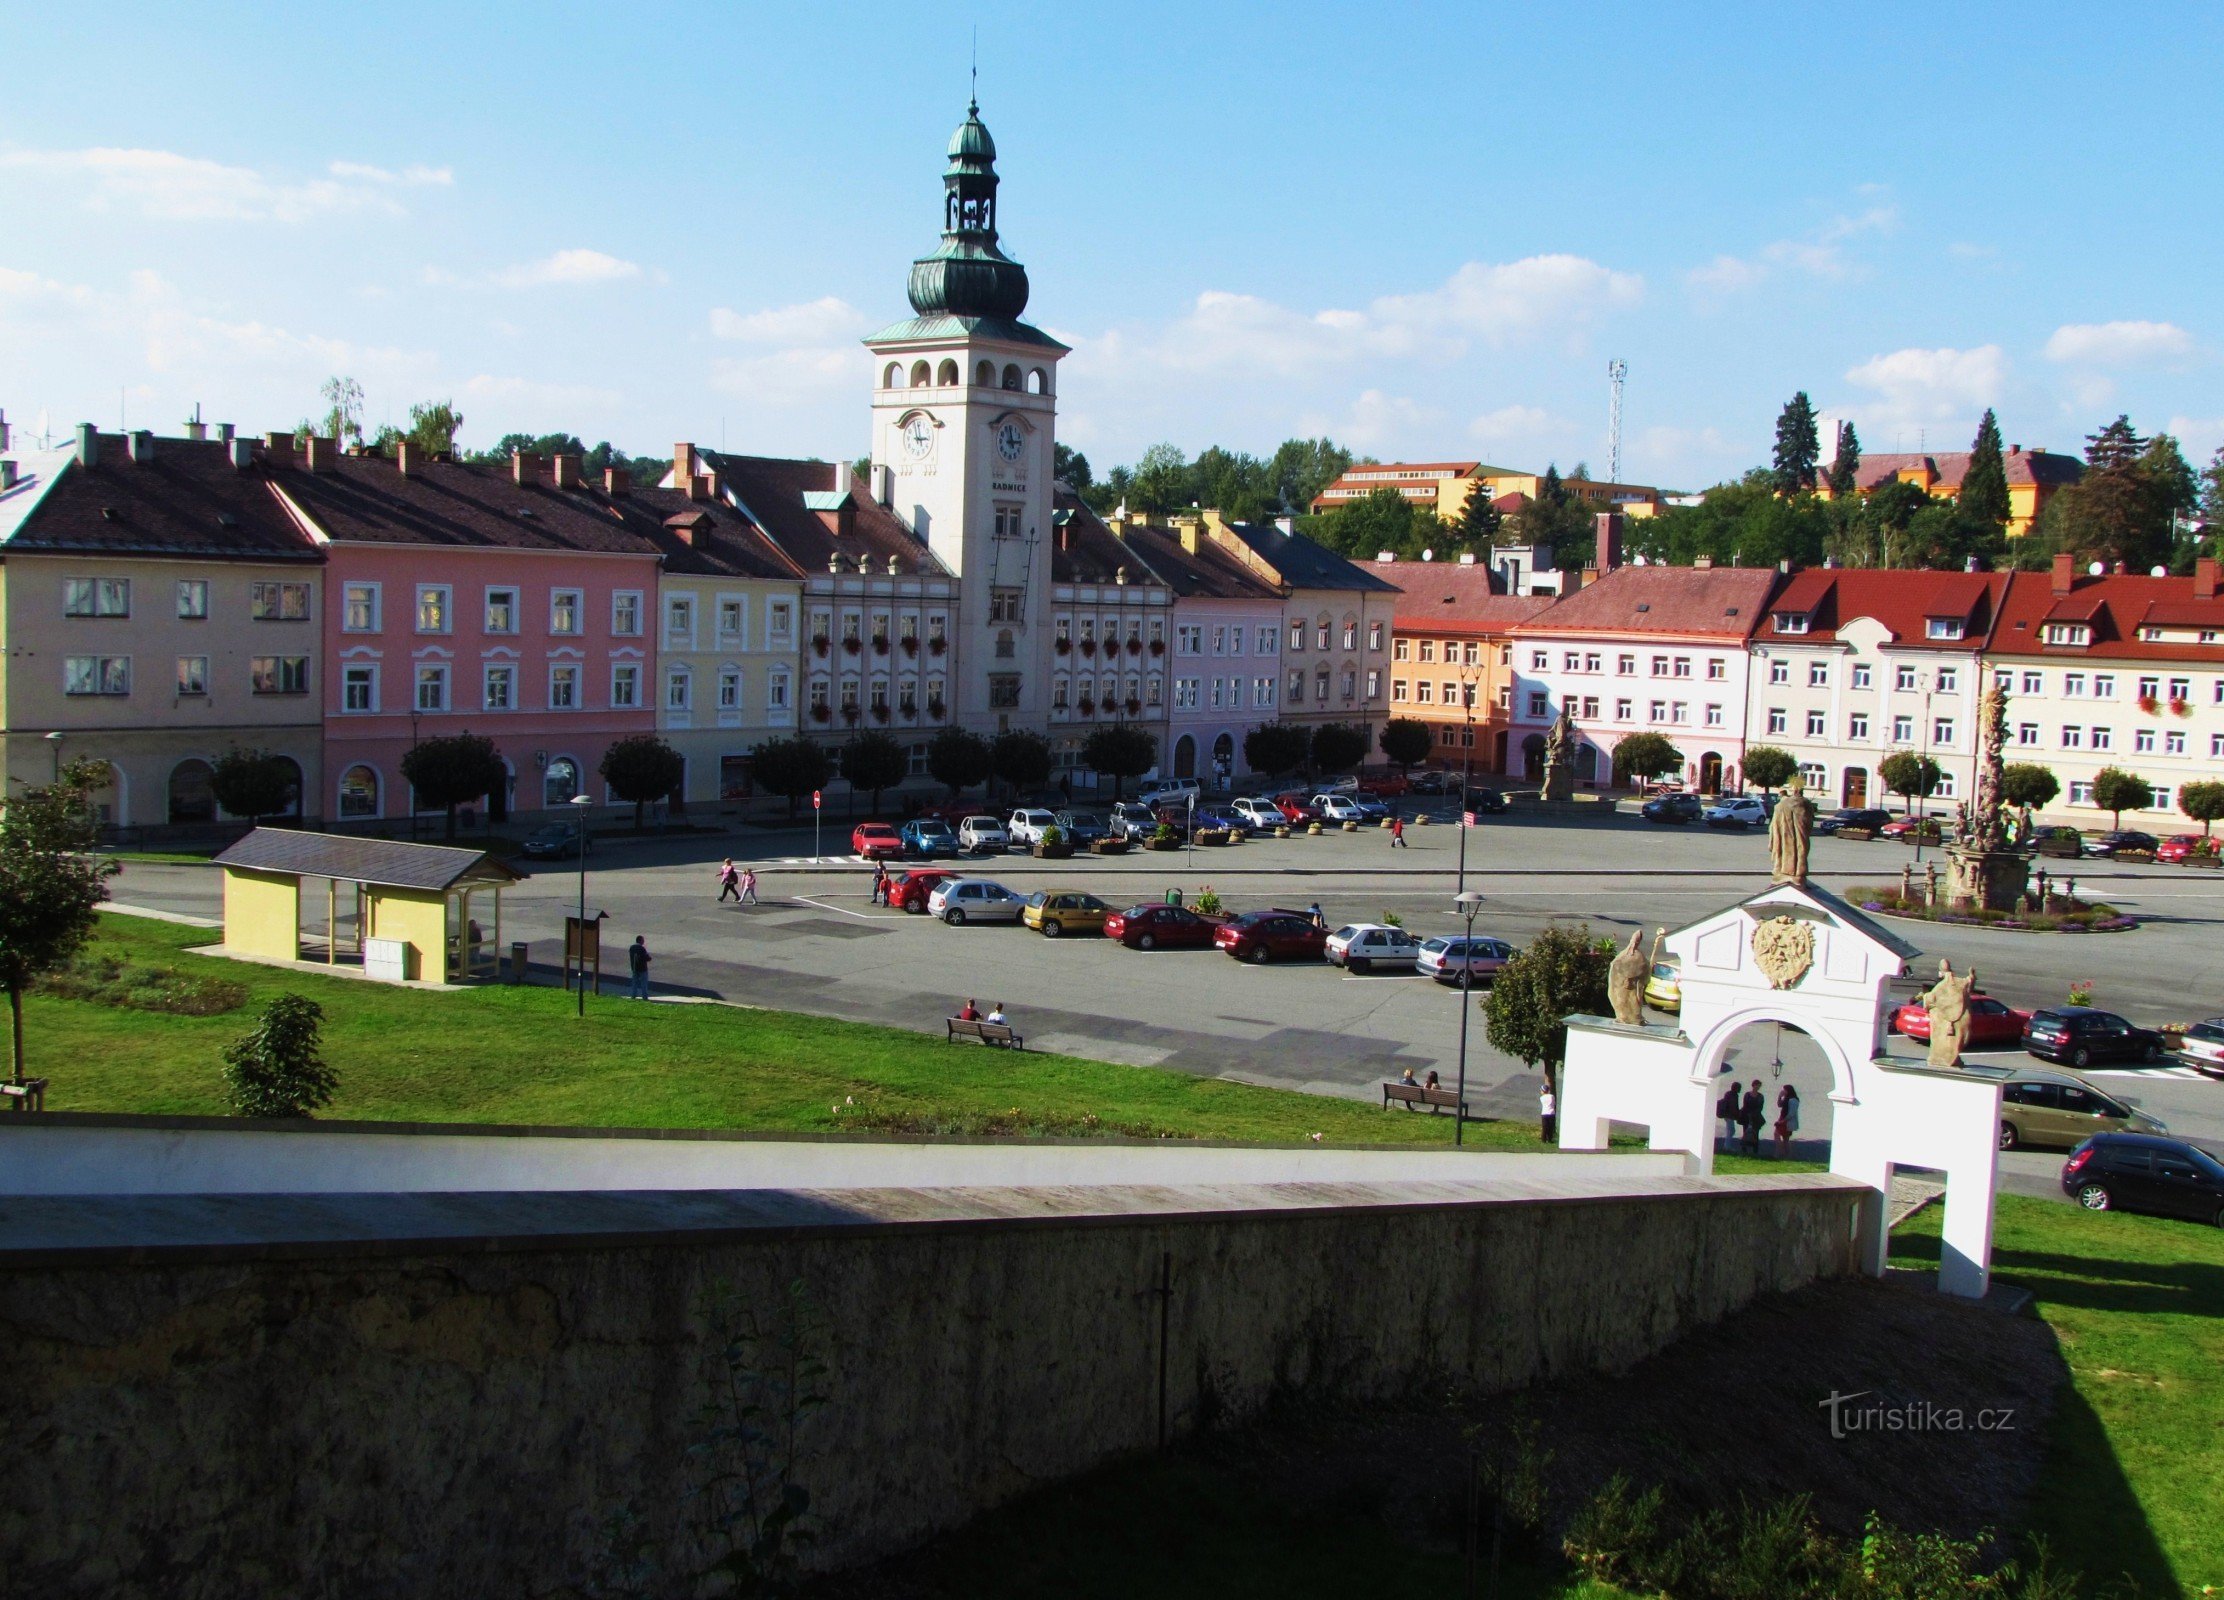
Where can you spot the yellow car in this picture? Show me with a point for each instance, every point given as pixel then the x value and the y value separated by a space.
pixel 1664 988
pixel 1054 912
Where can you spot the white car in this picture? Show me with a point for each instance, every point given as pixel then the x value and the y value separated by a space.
pixel 2203 1045
pixel 963 900
pixel 1366 945
pixel 1259 813
pixel 1339 807
pixel 1442 958
pixel 1742 810
pixel 1027 826
pixel 981 834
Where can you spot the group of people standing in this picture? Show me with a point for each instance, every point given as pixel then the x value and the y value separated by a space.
pixel 1744 1113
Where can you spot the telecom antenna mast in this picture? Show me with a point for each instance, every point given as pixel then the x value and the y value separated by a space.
pixel 1616 371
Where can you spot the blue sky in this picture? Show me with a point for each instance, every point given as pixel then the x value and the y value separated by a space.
pixel 1423 230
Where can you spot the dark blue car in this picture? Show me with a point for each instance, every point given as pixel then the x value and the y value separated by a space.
pixel 924 837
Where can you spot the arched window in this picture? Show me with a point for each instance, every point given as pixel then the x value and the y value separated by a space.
pixel 1011 376
pixel 560 782
pixel 1038 381
pixel 919 374
pixel 947 373
pixel 192 792
pixel 358 793
pixel 1224 755
pixel 893 377
pixel 985 375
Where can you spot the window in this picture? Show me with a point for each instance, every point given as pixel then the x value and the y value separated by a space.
pixel 1814 724
pixel 1374 683
pixel 432 608
pixel 498 687
pixel 359 793
pixel 1683 666
pixel 567 613
pixel 1818 674
pixel 278 602
pixel 2104 686
pixel 193 675
pixel 1942 732
pixel 1791 621
pixel 1428 650
pixel 1949 680
pixel 1539 660
pixel 1374 637
pixel 1266 640
pixel 2181 689
pixel 2216 746
pixel 1397 689
pixel 193 600
pixel 1657 711
pixel 563 688
pixel 1537 706
pixel 359 689
pixel 625 686
pixel 2073 684
pixel 1424 692
pixel 1297 686
pixel 2102 738
pixel 2072 633
pixel 1351 636
pixel 2027 733
pixel 1003 605
pixel 2081 791
pixel 1626 666
pixel 359 608
pixel 108 675
pixel 1003 690
pixel 2161 798
pixel 1679 712
pixel 1590 710
pixel 1718 670
pixel 2143 741
pixel 1622 710
pixel 2173 744
pixel 1262 693
pixel 1189 639
pixel 2034 683
pixel 1857 726
pixel 432 687
pixel 501 611
pixel 776 691
pixel 1320 634
pixel 1779 671
pixel 1320 686
pixel 1861 675
pixel 1154 690
pixel 1660 666
pixel 729 689
pixel 2073 737
pixel 279 674
pixel 1220 641
pixel 1778 719
pixel 679 618
pixel 1402 650
pixel 96 597
pixel 1903 730
pixel 1904 678
pixel 783 622
pixel 1944 627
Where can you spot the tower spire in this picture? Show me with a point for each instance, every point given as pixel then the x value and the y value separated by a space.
pixel 968 275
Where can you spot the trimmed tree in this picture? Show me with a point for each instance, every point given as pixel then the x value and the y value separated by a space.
pixel 1769 767
pixel 50 885
pixel 1337 745
pixel 1406 740
pixel 253 783
pixel 2203 802
pixel 1122 750
pixel 2026 783
pixel 874 761
pixel 958 759
pixel 1910 776
pixel 2116 791
pixel 1558 974
pixel 1020 758
pixel 1276 747
pixel 640 768
pixel 453 769
pixel 793 767
pixel 276 1071
pixel 1644 756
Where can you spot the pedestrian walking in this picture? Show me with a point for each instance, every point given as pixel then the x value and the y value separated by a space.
pixel 1787 1120
pixel 1548 1113
pixel 1727 1109
pixel 637 962
pixel 749 886
pixel 1397 834
pixel 1752 1112
pixel 729 881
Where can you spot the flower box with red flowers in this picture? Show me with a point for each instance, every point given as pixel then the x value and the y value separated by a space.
pixel 935 708
pixel 1063 646
pixel 1088 647
pixel 1135 647
pixel 937 645
pixel 853 644
pixel 910 645
pixel 880 644
pixel 2149 704
pixel 821 643
pixel 822 712
pixel 1158 647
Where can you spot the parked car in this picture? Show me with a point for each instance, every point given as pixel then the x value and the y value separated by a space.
pixel 2044 1107
pixel 1736 811
pixel 1431 783
pixel 979 834
pixel 910 891
pixel 876 841
pixel 1131 819
pixel 2118 840
pixel 1160 790
pixel 1217 815
pixel 1990 1023
pixel 1388 786
pixel 1054 913
pixel 2179 847
pixel 1257 813
pixel 1297 808
pixel 963 900
pixel 929 836
pixel 555 841
pixel 1671 808
pixel 1027 825
pixel 1343 808
pixel 2081 1036
pixel 1868 817
pixel 1161 927
pixel 1444 957
pixel 2140 1172
pixel 1277 935
pixel 1081 828
pixel 1364 946
pixel 1484 801
pixel 2203 1045
pixel 1908 827
pixel 1664 985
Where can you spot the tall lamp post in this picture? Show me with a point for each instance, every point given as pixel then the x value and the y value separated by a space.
pixel 1922 811
pixel 582 801
pixel 54 743
pixel 1469 903
pixel 1467 764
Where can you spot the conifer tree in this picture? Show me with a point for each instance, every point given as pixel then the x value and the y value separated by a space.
pixel 1984 487
pixel 1798 446
pixel 1845 469
pixel 1478 519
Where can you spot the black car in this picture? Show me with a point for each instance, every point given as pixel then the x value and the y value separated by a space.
pixel 1671 808
pixel 1432 783
pixel 1853 817
pixel 1486 802
pixel 554 841
pixel 2121 839
pixel 2141 1172
pixel 2078 1036
pixel 1082 827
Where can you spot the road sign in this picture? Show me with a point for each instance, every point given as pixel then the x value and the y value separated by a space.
pixel 815 797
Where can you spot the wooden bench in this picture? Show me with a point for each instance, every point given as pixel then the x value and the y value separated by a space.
pixel 1410 1095
pixel 987 1032
pixel 29 1095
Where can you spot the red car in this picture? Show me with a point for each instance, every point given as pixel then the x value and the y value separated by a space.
pixel 876 841
pixel 1387 787
pixel 1297 806
pixel 1161 928
pixel 1263 936
pixel 908 891
pixel 1990 1022
pixel 2178 847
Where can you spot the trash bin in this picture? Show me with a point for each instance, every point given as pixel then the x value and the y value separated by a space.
pixel 1173 897
pixel 518 949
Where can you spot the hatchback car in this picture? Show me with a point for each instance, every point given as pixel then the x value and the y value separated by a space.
pixel 876 841
pixel 1364 946
pixel 1664 985
pixel 2179 847
pixel 1671 808
pixel 1444 958
pixel 2061 1109
pixel 1082 828
pixel 1028 825
pixel 909 891
pixel 1736 811
pixel 1431 783
pixel 2203 1045
pixel 1161 927
pixel 1991 1024
pixel 979 835
pixel 1262 936
pixel 2078 1037
pixel 1297 808
pixel 555 841
pixel 1054 913
pixel 1486 802
pixel 963 900
pixel 1345 807
pixel 2117 840
pixel 2140 1172
pixel 1257 812
pixel 1868 817
pixel 929 836
pixel 1131 819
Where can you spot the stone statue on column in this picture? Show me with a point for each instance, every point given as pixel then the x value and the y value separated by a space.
pixel 1559 760
pixel 1989 869
pixel 1789 827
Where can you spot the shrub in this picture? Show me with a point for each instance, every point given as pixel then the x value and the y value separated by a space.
pixel 1165 831
pixel 1207 903
pixel 1053 835
pixel 276 1070
pixel 110 981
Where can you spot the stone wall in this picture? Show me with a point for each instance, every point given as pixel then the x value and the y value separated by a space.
pixel 461 1416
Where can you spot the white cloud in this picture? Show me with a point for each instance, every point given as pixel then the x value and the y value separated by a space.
pixel 1819 253
pixel 533 395
pixel 170 187
pixel 812 322
pixel 566 268
pixel 1918 392
pixel 1725 275
pixel 2118 344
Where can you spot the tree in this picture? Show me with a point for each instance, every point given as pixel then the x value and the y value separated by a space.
pixel 794 767
pixel 2116 791
pixel 640 768
pixel 1301 468
pixel 2212 492
pixel 1798 446
pixel 1644 756
pixel 1845 463
pixel 50 884
pixel 1984 487
pixel 1337 745
pixel 1232 482
pixel 1276 747
pixel 2203 802
pixel 453 769
pixel 1407 740
pixel 874 760
pixel 1479 520
pixel 1558 974
pixel 1121 749
pixel 433 426
pixel 2026 783
pixel 1020 757
pixel 343 420
pixel 1161 482
pixel 1769 767
pixel 254 783
pixel 958 759
pixel 1071 468
pixel 276 1071
pixel 2115 446
pixel 1908 775
pixel 1380 520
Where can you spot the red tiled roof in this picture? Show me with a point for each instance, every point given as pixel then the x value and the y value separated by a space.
pixel 2115 607
pixel 1902 601
pixel 188 501
pixel 1447 596
pixel 1951 466
pixel 771 491
pixel 1696 602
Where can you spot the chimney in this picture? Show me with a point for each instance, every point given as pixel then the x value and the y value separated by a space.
pixel 225 432
pixel 2204 578
pixel 617 482
pixel 279 444
pixel 7 475
pixel 242 452
pixel 2015 449
pixel 884 483
pixel 1609 541
pixel 1467 558
pixel 2065 572
pixel 1065 538
pixel 567 469
pixel 1784 566
pixel 196 430
pixel 1702 563
pixel 1969 565
pixel 525 468
pixel 141 444
pixel 683 466
pixel 1192 536
pixel 710 487
pixel 409 458
pixel 2119 569
pixel 696 485
pixel 3 430
pixel 322 453
pixel 88 445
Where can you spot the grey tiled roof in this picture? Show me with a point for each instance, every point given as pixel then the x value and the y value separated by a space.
pixel 389 863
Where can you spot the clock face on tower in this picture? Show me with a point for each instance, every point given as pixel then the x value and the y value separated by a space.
pixel 1010 441
pixel 918 438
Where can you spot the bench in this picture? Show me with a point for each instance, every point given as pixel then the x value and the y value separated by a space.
pixel 987 1032
pixel 1410 1095
pixel 29 1095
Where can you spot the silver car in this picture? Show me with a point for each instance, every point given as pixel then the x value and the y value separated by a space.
pixel 982 834
pixel 963 900
pixel 1366 945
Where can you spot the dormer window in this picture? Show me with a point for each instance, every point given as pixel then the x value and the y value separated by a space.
pixel 2077 633
pixel 1793 621
pixel 1947 627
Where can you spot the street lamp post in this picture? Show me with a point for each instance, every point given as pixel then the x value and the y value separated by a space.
pixel 414 712
pixel 1469 903
pixel 54 743
pixel 582 801
pixel 1922 813
pixel 1467 765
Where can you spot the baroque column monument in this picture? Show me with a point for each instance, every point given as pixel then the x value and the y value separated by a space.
pixel 1985 872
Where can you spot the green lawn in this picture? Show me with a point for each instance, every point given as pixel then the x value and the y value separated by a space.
pixel 519 1055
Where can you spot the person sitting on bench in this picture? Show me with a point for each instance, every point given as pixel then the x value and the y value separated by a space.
pixel 969 1012
pixel 996 1017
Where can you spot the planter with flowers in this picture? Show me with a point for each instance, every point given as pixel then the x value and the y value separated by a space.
pixel 1134 704
pixel 910 643
pixel 822 644
pixel 880 644
pixel 1135 645
pixel 822 712
pixel 909 709
pixel 850 713
pixel 1064 647
pixel 1158 647
pixel 1053 845
pixel 936 645
pixel 853 644
pixel 1088 647
pixel 935 708
pixel 2149 704
pixel 1164 838
pixel 881 714
pixel 2181 708
pixel 1086 706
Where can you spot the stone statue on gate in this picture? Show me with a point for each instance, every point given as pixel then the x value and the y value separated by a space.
pixel 1788 828
pixel 1947 1002
pixel 1625 981
pixel 1559 759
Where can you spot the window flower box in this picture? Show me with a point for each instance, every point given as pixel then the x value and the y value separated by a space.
pixel 2181 708
pixel 909 708
pixel 850 714
pixel 1087 707
pixel 1158 647
pixel 2149 704
pixel 1134 704
pixel 881 714
pixel 880 644
pixel 1135 646
pixel 935 708
pixel 937 645
pixel 822 712
pixel 910 645
pixel 1088 647
pixel 1063 647
pixel 853 644
pixel 822 644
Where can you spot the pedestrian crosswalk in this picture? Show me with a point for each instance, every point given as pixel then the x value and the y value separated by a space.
pixel 2193 1074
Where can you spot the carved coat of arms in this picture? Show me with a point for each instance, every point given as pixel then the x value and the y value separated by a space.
pixel 1785 948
